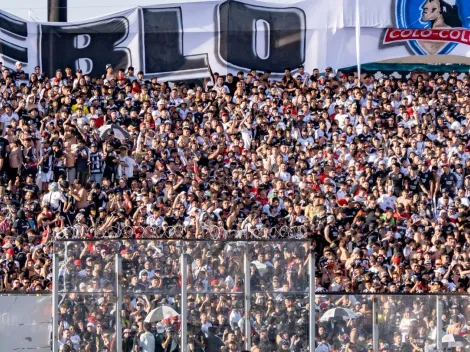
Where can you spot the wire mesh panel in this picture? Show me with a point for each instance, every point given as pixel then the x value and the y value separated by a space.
pixel 151 290
pixel 87 266
pixel 279 304
pixel 25 322
pixel 216 294
pixel 406 321
pixel 344 321
pixel 87 321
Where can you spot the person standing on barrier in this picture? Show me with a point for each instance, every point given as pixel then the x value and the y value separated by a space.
pixel 95 164
pixel 111 159
pixel 81 164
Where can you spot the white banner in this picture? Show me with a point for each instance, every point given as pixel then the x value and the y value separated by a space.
pixel 178 41
pixel 188 40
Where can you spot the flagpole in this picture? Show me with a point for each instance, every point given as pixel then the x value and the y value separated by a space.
pixel 311 296
pixel 184 299
pixel 246 264
pixel 358 41
pixel 118 270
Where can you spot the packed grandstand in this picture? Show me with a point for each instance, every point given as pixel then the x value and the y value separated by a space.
pixel 373 175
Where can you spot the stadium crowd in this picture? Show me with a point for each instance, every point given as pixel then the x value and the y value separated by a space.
pixel 376 172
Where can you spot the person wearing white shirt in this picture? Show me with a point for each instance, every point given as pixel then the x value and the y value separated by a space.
pixel 53 198
pixel 454 124
pixel 234 317
pixel 126 165
pixel 387 200
pixel 205 325
pixel 340 117
pixel 460 153
pixel 6 117
pixel 301 72
pixel 353 115
pixel 147 340
pixel 155 219
pixel 220 88
pixel 463 199
pixel 174 99
pixel 304 140
pixel 283 174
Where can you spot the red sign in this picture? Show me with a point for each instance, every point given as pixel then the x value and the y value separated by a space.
pixel 461 36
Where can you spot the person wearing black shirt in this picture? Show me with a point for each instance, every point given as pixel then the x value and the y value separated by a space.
pixel 413 182
pixel 175 218
pixel 197 341
pixel 3 151
pixel 33 117
pixel 69 204
pixel 426 176
pixel 397 179
pixel 29 156
pixel 128 341
pixel 21 225
pixel 231 83
pixel 114 117
pixel 96 164
pixel 21 109
pixel 30 186
pixel 111 162
pixel 99 198
pixel 448 180
pixel 58 159
pixel 133 119
pixel 81 163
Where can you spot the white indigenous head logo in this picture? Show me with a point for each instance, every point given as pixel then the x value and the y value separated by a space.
pixel 431 27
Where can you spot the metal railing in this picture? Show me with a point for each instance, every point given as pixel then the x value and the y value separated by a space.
pixel 376 319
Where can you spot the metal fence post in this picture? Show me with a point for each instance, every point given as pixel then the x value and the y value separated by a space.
pixel 438 323
pixel 375 330
pixel 55 303
pixel 184 300
pixel 311 296
pixel 118 267
pixel 247 299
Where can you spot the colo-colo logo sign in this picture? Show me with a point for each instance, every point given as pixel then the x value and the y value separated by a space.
pixel 431 27
pixel 161 30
